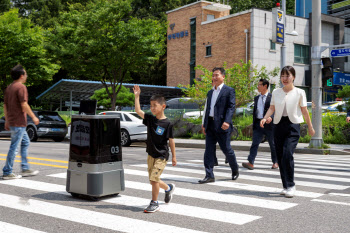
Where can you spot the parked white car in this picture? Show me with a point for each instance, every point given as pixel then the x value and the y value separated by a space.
pixel 131 127
pixel 325 106
pixel 334 107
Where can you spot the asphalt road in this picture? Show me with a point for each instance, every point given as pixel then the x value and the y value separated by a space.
pixel 250 204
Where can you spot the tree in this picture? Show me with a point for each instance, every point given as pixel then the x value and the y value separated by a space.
pixel 124 98
pixel 198 91
pixel 21 42
pixel 243 77
pixel 102 42
pixel 156 8
pixel 5 5
pixel 45 13
pixel 242 5
pixel 155 73
pixel 344 93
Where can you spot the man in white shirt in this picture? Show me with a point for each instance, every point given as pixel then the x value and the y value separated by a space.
pixel 261 105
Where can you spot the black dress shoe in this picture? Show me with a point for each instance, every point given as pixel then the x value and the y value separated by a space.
pixel 216 164
pixel 206 180
pixel 226 161
pixel 235 175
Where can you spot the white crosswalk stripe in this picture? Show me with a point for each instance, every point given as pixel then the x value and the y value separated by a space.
pixel 92 218
pixel 205 195
pixel 256 178
pixel 340 194
pixel 236 185
pixel 332 202
pixel 186 173
pixel 190 211
pixel 7 227
pixel 275 173
pixel 311 168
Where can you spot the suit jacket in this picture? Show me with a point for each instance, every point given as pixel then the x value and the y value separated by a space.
pixel 224 108
pixel 266 107
pixel 348 114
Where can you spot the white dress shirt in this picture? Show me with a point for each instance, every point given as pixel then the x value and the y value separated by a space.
pixel 291 101
pixel 214 97
pixel 261 106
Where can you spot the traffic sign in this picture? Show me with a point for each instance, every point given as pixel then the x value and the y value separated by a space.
pixel 277 26
pixel 340 52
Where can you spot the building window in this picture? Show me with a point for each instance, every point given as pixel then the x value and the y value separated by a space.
pixel 272 45
pixel 193 50
pixel 301 54
pixel 208 51
pixel 210 17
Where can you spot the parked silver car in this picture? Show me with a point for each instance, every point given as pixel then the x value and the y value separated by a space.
pixel 131 126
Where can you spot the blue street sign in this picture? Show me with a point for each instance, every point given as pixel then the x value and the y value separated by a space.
pixel 280 33
pixel 340 78
pixel 340 52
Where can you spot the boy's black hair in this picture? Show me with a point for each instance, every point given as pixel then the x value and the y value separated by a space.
pixel 264 82
pixel 222 70
pixel 17 72
pixel 160 99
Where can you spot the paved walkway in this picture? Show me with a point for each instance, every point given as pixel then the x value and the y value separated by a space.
pixel 335 149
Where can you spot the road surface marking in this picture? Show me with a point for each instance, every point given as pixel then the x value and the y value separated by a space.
pixel 88 217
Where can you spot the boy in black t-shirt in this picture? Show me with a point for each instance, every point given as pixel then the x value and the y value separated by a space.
pixel 159 131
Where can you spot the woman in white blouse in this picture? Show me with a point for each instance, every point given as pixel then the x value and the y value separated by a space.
pixel 289 105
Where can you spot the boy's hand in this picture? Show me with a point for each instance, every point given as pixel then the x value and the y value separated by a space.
pixel 174 161
pixel 137 90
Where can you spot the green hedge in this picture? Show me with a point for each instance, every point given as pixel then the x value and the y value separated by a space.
pixel 335 128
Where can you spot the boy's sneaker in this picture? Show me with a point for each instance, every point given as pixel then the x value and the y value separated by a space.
pixel 29 173
pixel 169 194
pixel 153 207
pixel 11 177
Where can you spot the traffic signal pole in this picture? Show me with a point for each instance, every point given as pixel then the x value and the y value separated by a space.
pixel 283 46
pixel 316 84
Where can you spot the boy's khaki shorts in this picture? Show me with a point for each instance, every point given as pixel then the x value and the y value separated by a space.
pixel 155 168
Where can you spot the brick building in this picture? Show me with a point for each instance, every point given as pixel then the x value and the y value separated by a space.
pixel 205 33
pixel 203 43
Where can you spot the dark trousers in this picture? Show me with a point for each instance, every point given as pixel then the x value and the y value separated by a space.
pixel 258 134
pixel 287 136
pixel 224 140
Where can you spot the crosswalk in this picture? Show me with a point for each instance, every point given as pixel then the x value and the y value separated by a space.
pixel 195 208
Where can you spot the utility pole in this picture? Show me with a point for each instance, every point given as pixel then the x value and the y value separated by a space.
pixel 283 46
pixel 316 140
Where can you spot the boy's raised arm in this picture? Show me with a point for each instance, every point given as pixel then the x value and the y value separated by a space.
pixel 137 92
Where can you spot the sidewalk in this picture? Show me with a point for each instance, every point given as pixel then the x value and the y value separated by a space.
pixel 335 149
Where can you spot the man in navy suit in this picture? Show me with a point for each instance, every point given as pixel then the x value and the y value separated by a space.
pixel 218 125
pixel 261 105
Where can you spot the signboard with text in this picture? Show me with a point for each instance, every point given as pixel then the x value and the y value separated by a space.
pixel 340 78
pixel 277 26
pixel 340 52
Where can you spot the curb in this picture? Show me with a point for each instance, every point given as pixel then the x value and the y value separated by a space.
pixel 267 149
